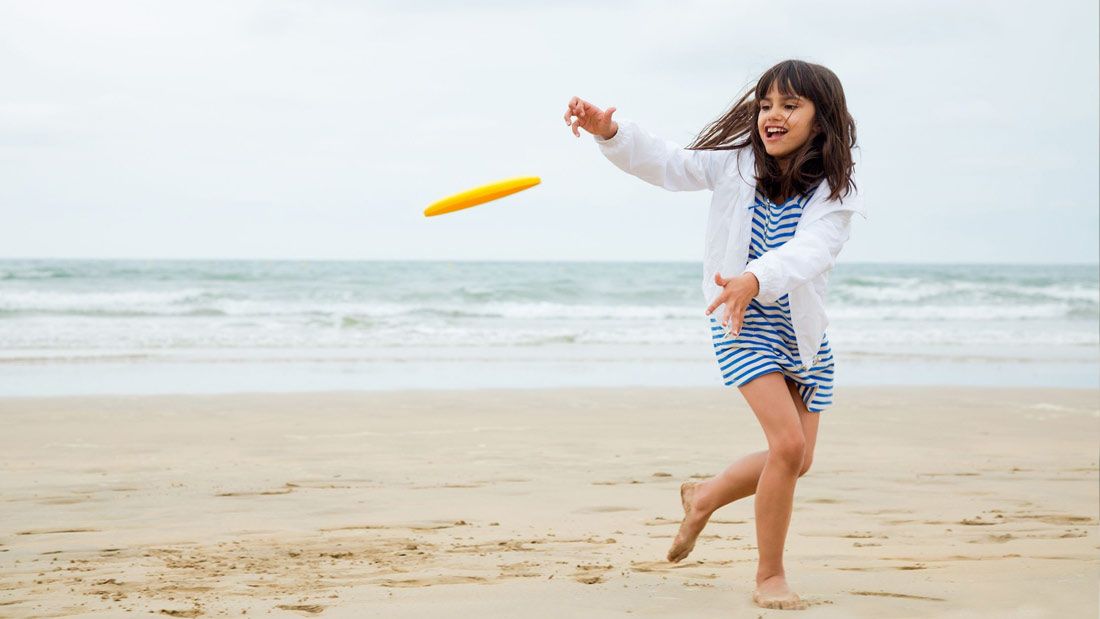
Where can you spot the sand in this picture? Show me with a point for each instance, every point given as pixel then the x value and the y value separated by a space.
pixel 921 502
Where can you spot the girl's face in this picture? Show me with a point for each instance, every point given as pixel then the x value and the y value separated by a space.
pixel 792 115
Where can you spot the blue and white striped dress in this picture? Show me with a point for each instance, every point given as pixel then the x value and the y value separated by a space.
pixel 767 342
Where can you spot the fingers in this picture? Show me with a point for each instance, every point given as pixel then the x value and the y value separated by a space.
pixel 575 107
pixel 731 318
pixel 728 322
pixel 570 110
pixel 737 320
pixel 577 112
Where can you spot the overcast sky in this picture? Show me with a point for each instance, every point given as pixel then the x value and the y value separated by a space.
pixel 286 129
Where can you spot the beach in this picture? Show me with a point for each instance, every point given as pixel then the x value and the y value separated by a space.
pixel 922 501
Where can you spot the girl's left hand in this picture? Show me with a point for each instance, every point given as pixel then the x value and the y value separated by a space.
pixel 737 293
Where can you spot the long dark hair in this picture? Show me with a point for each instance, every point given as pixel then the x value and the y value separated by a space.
pixel 826 155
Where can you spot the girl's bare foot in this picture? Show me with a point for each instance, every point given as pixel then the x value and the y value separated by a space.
pixel 773 592
pixel 690 527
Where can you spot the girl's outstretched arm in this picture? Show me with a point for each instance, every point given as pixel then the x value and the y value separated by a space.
pixel 662 162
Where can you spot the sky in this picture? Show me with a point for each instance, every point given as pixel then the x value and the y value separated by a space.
pixel 321 130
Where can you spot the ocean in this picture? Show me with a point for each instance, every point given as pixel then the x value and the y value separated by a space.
pixel 196 326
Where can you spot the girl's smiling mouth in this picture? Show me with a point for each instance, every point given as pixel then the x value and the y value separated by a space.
pixel 774 133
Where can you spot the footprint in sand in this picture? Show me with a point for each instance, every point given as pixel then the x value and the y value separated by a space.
pixel 661 566
pixel 591 574
pixel 520 569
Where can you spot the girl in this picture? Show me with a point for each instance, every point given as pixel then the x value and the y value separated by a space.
pixel 780 165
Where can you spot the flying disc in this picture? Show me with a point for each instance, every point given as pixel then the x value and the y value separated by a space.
pixel 480 195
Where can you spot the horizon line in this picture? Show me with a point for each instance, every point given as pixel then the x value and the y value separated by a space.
pixel 482 260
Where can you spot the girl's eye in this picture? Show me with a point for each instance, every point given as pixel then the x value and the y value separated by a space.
pixel 792 106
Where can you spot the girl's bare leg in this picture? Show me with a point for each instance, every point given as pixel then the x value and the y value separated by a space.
pixel 701 499
pixel 790 430
pixel 771 402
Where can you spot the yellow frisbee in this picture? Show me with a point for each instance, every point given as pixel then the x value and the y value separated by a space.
pixel 480 195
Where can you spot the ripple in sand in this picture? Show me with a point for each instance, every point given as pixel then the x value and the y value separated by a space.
pixel 597 509
pixel 51 531
pixel 286 489
pixel 915 566
pixel 446 524
pixel 994 539
pixel 429 581
pixel 977 521
pixel 449 485
pixel 306 608
pixel 898 595
pixel 190 612
pixel 1056 518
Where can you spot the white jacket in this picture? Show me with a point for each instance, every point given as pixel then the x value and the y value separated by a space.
pixel 799 268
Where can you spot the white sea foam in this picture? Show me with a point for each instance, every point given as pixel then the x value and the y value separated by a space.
pixel 111 306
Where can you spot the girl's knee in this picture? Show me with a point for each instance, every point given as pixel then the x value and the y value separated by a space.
pixel 790 452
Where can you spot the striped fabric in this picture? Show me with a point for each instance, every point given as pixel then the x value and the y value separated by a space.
pixel 767 342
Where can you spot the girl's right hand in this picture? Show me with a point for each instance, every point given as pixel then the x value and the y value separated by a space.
pixel 592 119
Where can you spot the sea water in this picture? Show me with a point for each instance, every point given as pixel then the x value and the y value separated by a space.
pixel 135 326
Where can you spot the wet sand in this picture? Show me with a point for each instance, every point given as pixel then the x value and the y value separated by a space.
pixel 921 502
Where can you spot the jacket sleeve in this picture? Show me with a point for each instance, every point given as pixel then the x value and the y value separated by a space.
pixel 812 251
pixel 661 162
